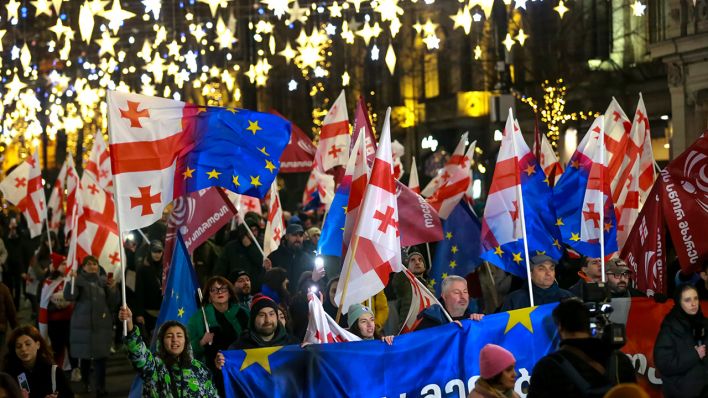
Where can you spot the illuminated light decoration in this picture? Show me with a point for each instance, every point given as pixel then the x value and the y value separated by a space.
pixel 390 59
pixel 279 7
pixel 57 5
pixel 160 36
pixel 214 5
pixel 417 27
pixel 374 53
pixel 288 53
pixel 432 42
pixel 429 28
pixel 66 50
pixel 508 42
pixel 198 33
pixel 41 7
pixel 345 79
pixel 190 59
pixel 638 8
pixel 476 17
pixel 228 79
pixel 394 27
pixel 335 10
pixel 115 16
pixel 347 34
pixel 520 4
pixel 59 29
pixel 25 58
pixel 13 88
pixel 156 67
pixel 262 26
pixel 292 85
pixel 368 31
pixel 561 9
pixel 320 72
pixel 297 14
pixel 486 6
pixel 388 9
pixel 478 52
pixel 146 51
pixel 521 37
pixel 224 36
pixel 86 22
pixel 12 6
pixel 463 19
pixel 271 45
pixel 154 7
pixel 97 6
pixel 331 29
pixel 356 3
pixel 308 56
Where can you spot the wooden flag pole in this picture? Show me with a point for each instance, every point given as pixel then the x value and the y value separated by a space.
pixel 602 198
pixel 346 280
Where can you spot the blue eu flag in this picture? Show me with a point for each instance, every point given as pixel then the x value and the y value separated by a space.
pixel 236 149
pixel 180 300
pixel 458 252
pixel 330 242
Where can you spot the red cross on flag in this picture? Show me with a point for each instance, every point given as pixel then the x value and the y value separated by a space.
pixel 421 298
pixel 333 147
pixel 145 135
pixel 99 163
pixel 321 328
pixel 360 179
pixel 57 198
pixel 456 183
pixel 444 174
pixel 375 247
pixel 548 160
pixel 413 183
pixel 275 227
pixel 72 189
pixel 318 184
pixel 97 229
pixel 23 188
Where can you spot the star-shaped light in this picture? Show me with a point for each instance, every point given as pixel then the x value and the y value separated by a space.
pixel 368 31
pixel 97 6
pixel 345 79
pixel 153 6
pixel 214 5
pixel 394 27
pixel 15 53
pixel 173 49
pixel 86 22
pixel 297 14
pixel 156 67
pixel 520 4
pixel 264 27
pixel 521 37
pixel 638 8
pixel 463 19
pixel 224 36
pixel 374 53
pixel 12 6
pixel 431 42
pixel 390 59
pixel 478 52
pixel 198 33
pixel 347 34
pixel 508 42
pixel 41 7
pixel 389 9
pixel 14 87
pixel 288 53
pixel 429 28
pixel 335 10
pixel 279 7
pixel 561 9
pixel 59 29
pixel 417 27
pixel 292 85
pixel 116 15
pixel 331 29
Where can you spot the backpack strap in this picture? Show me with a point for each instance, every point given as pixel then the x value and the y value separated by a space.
pixel 54 378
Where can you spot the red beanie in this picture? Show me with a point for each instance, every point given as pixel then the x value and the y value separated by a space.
pixel 56 259
pixel 493 359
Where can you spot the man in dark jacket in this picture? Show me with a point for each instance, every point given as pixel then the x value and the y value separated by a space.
pixel 242 254
pixel 264 329
pixel 590 272
pixel 618 279
pixel 545 288
pixel 403 291
pixel 291 257
pixel 148 288
pixel 583 366
pixel 456 300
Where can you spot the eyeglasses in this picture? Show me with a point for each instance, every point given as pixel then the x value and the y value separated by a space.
pixel 220 289
pixel 624 275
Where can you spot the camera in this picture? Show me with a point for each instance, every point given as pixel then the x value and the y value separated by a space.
pixel 596 297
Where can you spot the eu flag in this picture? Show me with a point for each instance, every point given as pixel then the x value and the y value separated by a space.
pixel 330 242
pixel 180 300
pixel 236 149
pixel 458 252
pixel 440 361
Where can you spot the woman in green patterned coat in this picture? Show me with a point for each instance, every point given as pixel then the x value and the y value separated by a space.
pixel 171 372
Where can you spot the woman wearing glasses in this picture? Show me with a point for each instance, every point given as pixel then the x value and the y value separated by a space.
pixel 226 320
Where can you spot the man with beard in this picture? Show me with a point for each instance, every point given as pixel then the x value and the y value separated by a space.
pixel 242 284
pixel 618 277
pixel 402 286
pixel 291 257
pixel 456 300
pixel 264 330
pixel 590 272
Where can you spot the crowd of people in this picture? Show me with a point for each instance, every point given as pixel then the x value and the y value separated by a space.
pixel 252 301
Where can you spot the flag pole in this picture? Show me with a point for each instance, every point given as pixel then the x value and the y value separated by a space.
pixel 427 249
pixel 346 280
pixel 250 234
pixel 201 306
pixel 49 234
pixel 520 195
pixel 602 199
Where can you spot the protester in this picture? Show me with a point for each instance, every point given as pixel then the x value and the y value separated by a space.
pixel 264 329
pixel 619 278
pixel 363 325
pixel 242 255
pixel 37 270
pixel 545 288
pixel 402 286
pixel 148 288
pixel 313 237
pixel 290 255
pixel 242 287
pixel 19 253
pixel 497 376
pixel 54 311
pixel 703 283
pixel 29 356
pixel 584 366
pixel 590 272
pixel 171 371
pixel 8 312
pixel 456 301
pixel 328 303
pixel 9 387
pixel 680 348
pixel 275 285
pixel 91 321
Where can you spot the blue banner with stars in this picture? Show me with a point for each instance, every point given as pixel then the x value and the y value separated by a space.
pixel 441 361
pixel 458 252
pixel 180 299
pixel 236 149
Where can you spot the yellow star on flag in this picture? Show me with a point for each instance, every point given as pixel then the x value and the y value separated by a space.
pixel 259 356
pixel 547 182
pixel 188 173
pixel 256 181
pixel 521 316
pixel 517 258
pixel 559 222
pixel 180 312
pixel 575 237
pixel 263 151
pixel 345 209
pixel 530 169
pixel 556 243
pixel 453 264
pixel 444 275
pixel 432 283
pixel 213 174
pixel 575 164
pixel 448 235
pixel 270 166
pixel 498 251
pixel 454 249
pixel 608 226
pixel 235 181
pixel 253 127
pixel 540 252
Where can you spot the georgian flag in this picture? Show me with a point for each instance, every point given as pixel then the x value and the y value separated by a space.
pixel 23 188
pixel 99 163
pixel 454 187
pixel 359 181
pixel 413 183
pixel 57 198
pixel 444 174
pixel 321 328
pixel 421 298
pixel 275 227
pixel 549 161
pixel 375 247
pixel 333 147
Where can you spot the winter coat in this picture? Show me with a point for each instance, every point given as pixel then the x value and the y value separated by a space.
pixel 549 379
pixel 159 381
pixel 404 293
pixel 148 288
pixel 39 379
pixel 92 321
pixel 295 262
pixel 482 389
pixel 683 372
pixel 236 315
pixel 520 298
pixel 236 257
pixel 8 314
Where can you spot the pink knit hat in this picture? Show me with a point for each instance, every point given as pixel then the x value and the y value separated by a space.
pixel 493 359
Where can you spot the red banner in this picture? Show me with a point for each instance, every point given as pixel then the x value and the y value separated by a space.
pixel 418 221
pixel 685 203
pixel 300 152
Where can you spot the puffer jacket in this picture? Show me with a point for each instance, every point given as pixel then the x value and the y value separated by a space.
pixel 92 320
pixel 159 381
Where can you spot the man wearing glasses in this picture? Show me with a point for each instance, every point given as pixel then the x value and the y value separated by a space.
pixel 619 279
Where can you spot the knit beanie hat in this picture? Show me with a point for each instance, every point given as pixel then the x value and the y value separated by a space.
pixel 493 359
pixel 355 311
pixel 259 302
pixel 57 259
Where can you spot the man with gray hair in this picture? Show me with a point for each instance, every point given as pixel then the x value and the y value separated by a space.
pixel 456 299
